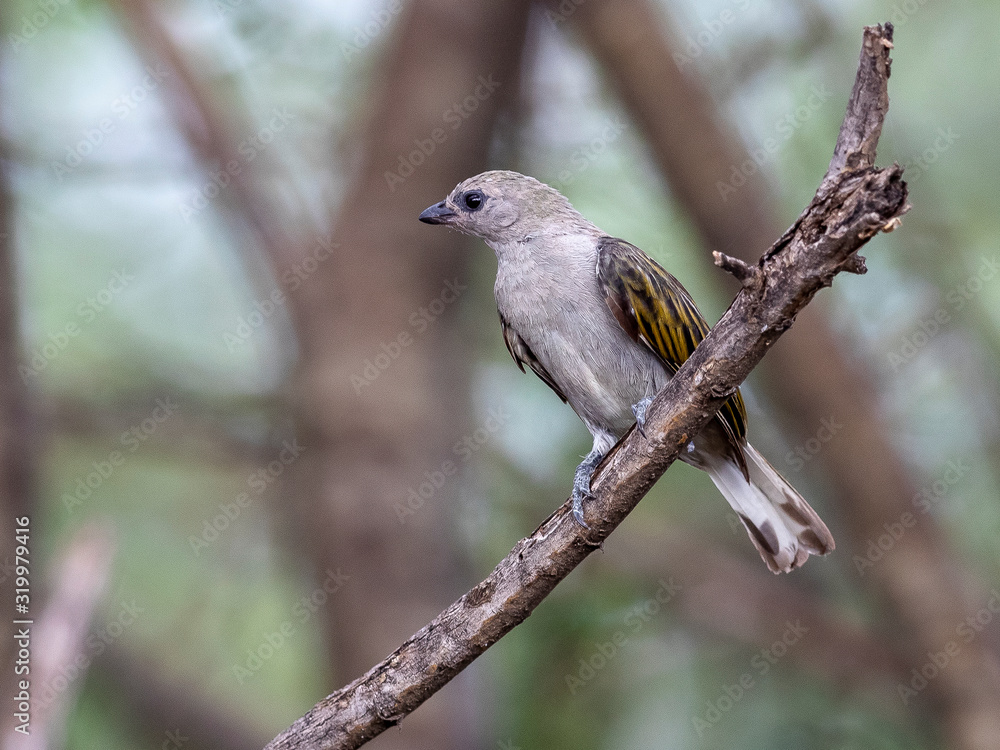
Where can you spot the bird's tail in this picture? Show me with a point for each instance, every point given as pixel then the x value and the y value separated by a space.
pixel 782 526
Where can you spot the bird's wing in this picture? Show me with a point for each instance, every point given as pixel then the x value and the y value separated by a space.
pixel 653 308
pixel 523 355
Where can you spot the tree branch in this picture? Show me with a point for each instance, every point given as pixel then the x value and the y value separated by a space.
pixel 60 634
pixel 855 201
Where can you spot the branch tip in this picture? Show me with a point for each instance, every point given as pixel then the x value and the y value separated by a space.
pixel 855 264
pixel 738 268
pixel 895 222
pixel 868 104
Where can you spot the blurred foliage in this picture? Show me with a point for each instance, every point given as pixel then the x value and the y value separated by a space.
pixel 163 335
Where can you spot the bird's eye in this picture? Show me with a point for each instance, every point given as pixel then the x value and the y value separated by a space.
pixel 474 199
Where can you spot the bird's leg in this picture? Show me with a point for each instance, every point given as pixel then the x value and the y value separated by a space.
pixel 581 482
pixel 639 410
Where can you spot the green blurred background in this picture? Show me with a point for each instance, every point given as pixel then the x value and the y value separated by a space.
pixel 172 168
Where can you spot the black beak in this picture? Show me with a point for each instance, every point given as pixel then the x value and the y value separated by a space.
pixel 439 213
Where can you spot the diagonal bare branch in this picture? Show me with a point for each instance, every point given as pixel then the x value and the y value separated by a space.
pixel 851 206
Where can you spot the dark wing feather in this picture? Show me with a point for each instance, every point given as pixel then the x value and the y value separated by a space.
pixel 653 307
pixel 523 355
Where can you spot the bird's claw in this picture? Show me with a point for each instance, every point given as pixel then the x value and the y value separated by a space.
pixel 581 484
pixel 580 493
pixel 639 411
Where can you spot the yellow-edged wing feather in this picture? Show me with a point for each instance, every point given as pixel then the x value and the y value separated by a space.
pixel 653 308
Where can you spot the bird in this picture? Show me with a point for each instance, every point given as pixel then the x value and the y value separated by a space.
pixel 606 327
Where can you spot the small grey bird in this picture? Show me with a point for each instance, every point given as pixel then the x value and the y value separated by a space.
pixel 605 326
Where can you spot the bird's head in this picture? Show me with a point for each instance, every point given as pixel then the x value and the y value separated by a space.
pixel 503 207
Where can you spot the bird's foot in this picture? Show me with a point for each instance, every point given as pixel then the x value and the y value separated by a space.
pixel 581 492
pixel 639 410
pixel 581 484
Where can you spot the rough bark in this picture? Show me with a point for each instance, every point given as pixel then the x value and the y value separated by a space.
pixel 808 376
pixel 850 207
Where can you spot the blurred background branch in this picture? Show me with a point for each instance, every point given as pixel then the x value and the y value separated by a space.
pixel 57 638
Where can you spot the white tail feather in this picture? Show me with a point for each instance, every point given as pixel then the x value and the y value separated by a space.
pixel 782 526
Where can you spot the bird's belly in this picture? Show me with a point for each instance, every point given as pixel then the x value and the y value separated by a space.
pixel 565 321
pixel 601 374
